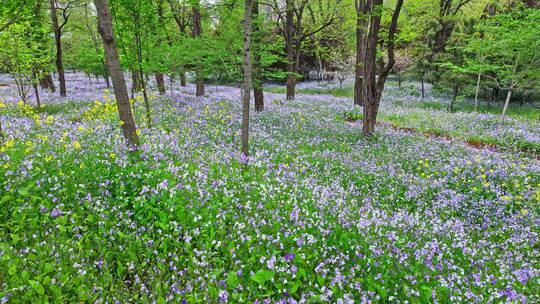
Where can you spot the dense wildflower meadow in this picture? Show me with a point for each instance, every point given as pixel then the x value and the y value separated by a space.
pixel 317 214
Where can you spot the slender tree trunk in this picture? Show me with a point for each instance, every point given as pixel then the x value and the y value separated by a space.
pixel 399 80
pixel 247 77
pixel 289 36
pixel 183 82
pixel 2 136
pixel 47 83
pixel 136 84
pixel 58 43
pixel 143 81
pixel 105 29
pixel 197 30
pixel 257 65
pixel 477 91
pixel 506 103
pixel 360 53
pixel 160 81
pixel 455 92
pixel 36 91
pixel 423 89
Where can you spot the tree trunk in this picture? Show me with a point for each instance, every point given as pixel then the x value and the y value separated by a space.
pixel 183 79
pixel 506 103
pixel 370 41
pixel 58 43
pixel 360 54
pixel 160 81
pixel 36 91
pixel 257 65
pixel 289 28
pixel 47 83
pixel 247 77
pixel 105 29
pixel 477 91
pixel 399 80
pixel 136 84
pixel 423 89
pixel 197 30
pixel 373 87
pixel 455 92
pixel 2 136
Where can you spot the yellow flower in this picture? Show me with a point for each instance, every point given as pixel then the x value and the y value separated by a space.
pixel 76 145
pixel 506 198
pixel 49 120
pixel 112 155
pixel 81 128
pixel 524 211
pixel 2 105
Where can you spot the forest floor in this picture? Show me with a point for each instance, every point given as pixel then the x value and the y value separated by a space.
pixel 318 213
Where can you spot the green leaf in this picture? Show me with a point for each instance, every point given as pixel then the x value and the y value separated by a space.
pixel 37 287
pixel 426 293
pixel 232 279
pixel 262 276
pixel 12 269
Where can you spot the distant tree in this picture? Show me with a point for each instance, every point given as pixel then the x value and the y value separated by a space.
pixel 507 50
pixel 290 15
pixel 24 54
pixel 402 64
pixel 343 65
pixel 56 6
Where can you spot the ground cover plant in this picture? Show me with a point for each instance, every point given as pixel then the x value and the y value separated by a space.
pixel 320 213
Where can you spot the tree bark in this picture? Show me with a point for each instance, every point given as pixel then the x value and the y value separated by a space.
pixel 360 52
pixel 423 89
pixel 105 29
pixel 372 88
pixel 477 92
pixel 136 84
pixel 455 93
pixel 289 28
pixel 47 83
pixel 183 82
pixel 36 91
pixel 506 103
pixel 58 43
pixel 247 77
pixel 257 65
pixel 197 30
pixel 160 81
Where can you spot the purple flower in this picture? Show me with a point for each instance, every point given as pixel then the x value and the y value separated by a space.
pixel 223 296
pixel 270 263
pixel 289 257
pixel 57 212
